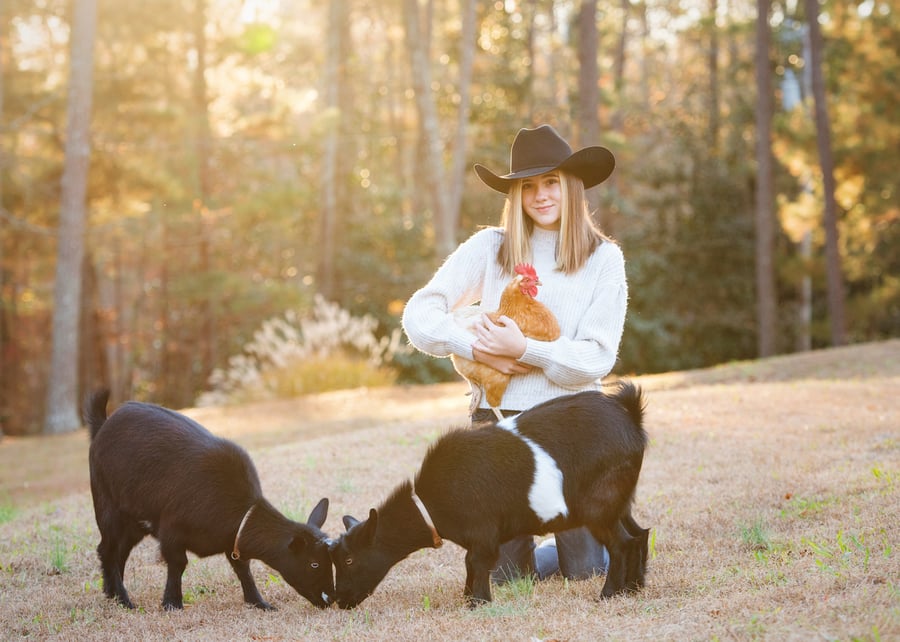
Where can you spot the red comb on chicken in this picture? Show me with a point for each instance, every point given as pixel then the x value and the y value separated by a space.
pixel 527 279
pixel 526 269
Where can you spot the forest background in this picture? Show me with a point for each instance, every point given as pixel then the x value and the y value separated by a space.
pixel 265 183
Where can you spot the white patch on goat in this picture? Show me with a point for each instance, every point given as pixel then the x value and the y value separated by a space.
pixel 546 493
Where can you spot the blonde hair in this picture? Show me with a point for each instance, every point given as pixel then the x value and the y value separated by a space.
pixel 579 236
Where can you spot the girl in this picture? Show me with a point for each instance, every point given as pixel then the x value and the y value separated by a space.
pixel 545 222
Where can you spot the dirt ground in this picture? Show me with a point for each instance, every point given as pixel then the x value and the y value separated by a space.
pixel 772 489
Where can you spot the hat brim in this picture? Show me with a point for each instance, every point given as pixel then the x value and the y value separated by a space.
pixel 592 165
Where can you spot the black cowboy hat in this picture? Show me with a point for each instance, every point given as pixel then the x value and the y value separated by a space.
pixel 541 150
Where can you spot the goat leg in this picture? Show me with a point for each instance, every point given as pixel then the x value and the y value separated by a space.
pixel 478 576
pixel 615 577
pixel 635 564
pixel 619 544
pixel 637 556
pixel 113 583
pixel 176 561
pixel 117 538
pixel 251 593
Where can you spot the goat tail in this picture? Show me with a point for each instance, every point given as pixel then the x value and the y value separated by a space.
pixel 630 396
pixel 94 410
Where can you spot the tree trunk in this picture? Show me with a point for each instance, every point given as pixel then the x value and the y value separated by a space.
pixel 617 119
pixel 4 336
pixel 464 83
pixel 646 50
pixel 618 116
pixel 823 142
pixel 558 101
pixel 588 86
pixel 62 391
pixel 765 217
pixel 713 77
pixel 529 12
pixel 337 15
pixel 202 150
pixel 444 225
pixel 163 327
pixel 588 74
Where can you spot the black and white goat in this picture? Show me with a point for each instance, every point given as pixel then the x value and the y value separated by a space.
pixel 157 472
pixel 569 462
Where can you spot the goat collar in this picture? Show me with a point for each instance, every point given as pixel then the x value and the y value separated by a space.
pixel 235 553
pixel 436 540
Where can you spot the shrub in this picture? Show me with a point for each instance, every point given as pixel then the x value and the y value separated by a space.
pixel 294 355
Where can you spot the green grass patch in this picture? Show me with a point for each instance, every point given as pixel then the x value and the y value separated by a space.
pixel 195 593
pixel 755 536
pixel 58 552
pixel 7 513
pixel 885 478
pixel 510 598
pixel 837 557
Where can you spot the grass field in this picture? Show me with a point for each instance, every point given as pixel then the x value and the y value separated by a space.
pixel 772 488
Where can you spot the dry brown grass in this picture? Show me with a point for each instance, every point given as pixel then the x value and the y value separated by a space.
pixel 772 487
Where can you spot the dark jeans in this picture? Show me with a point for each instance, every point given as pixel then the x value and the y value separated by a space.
pixel 577 555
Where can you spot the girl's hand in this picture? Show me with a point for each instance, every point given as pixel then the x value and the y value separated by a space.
pixel 503 339
pixel 506 365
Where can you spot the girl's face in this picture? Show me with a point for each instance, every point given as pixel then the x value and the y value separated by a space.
pixel 541 198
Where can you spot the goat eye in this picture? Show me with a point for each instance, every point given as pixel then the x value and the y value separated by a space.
pixel 349 561
pixel 315 564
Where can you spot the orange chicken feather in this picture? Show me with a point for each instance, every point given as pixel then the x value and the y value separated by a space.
pixel 534 319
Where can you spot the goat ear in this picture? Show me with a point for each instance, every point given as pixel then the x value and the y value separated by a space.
pixel 370 526
pixel 319 513
pixel 350 521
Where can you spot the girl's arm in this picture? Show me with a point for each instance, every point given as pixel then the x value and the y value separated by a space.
pixel 506 365
pixel 428 319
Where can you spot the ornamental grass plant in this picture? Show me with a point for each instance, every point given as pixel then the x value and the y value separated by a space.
pixel 293 354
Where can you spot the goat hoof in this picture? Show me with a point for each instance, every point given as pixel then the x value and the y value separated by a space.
pixel 172 606
pixel 474 602
pixel 264 606
pixel 608 595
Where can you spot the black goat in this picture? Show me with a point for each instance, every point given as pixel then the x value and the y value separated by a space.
pixel 157 472
pixel 569 462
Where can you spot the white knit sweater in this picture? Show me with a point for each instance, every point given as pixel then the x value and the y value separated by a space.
pixel 589 305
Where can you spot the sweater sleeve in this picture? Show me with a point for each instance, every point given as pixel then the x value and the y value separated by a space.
pixel 590 353
pixel 428 315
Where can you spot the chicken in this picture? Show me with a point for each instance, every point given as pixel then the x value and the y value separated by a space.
pixel 534 319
